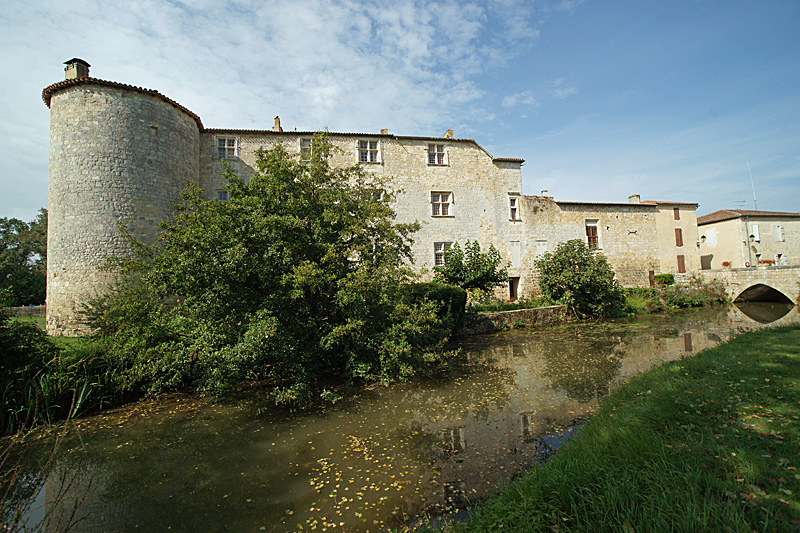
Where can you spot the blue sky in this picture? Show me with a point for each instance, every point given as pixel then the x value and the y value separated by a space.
pixel 603 99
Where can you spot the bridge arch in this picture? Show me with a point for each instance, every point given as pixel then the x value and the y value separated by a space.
pixel 761 292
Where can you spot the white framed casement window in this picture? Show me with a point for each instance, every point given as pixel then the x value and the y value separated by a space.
pixel 780 234
pixel 592 235
pixel 441 204
pixel 439 248
pixel 369 152
pixel 222 195
pixel 513 208
pixel 306 147
pixel 226 147
pixel 437 155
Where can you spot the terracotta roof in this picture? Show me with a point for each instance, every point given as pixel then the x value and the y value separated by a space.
pixel 614 204
pixel 337 133
pixel 729 214
pixel 659 202
pixel 442 140
pixel 48 92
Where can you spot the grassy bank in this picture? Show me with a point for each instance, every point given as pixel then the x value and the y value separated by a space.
pixel 709 443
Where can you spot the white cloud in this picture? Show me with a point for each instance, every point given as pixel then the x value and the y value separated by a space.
pixel 524 97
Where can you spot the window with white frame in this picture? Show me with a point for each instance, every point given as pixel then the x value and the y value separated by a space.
pixel 439 248
pixel 306 146
pixel 592 235
pixel 440 204
pixel 513 207
pixel 436 154
pixel 368 152
pixel 222 195
pixel 226 147
pixel 780 234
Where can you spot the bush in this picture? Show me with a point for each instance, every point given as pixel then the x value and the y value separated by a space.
pixel 472 269
pixel 450 298
pixel 664 279
pixel 583 280
pixel 522 303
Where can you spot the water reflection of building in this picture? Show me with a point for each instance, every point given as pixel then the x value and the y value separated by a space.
pixel 453 440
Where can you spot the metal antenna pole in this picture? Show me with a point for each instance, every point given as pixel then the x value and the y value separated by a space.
pixel 755 202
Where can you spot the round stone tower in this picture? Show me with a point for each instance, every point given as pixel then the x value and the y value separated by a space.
pixel 118 155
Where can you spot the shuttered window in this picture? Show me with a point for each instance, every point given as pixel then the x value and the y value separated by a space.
pixel 678 237
pixel 681 264
pixel 676 213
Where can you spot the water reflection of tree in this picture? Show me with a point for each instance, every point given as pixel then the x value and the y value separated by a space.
pixel 583 370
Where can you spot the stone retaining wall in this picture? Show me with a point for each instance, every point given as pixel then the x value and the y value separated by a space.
pixel 475 324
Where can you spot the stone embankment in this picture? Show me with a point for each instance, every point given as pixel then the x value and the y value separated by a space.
pixel 475 324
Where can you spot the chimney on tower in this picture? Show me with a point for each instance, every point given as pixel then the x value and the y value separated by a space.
pixel 76 68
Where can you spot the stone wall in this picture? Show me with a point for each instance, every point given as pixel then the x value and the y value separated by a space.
pixel 475 324
pixel 117 156
pixel 627 234
pixel 479 186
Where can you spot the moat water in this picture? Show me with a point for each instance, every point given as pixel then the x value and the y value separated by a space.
pixel 381 457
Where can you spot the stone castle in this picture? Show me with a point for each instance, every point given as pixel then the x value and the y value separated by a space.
pixel 121 154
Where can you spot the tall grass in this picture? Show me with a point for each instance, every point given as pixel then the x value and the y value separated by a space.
pixel 42 381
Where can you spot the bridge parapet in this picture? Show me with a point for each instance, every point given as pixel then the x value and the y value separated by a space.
pixel 784 279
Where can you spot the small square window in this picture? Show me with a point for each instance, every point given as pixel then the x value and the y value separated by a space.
pixel 436 154
pixel 439 248
pixel 226 148
pixel 222 195
pixel 440 204
pixel 368 152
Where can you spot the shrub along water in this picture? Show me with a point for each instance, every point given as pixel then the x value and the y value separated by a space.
pixel 707 443
pixel 643 300
pixel 42 381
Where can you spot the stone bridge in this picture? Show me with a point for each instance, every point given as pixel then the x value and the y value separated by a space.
pixel 758 283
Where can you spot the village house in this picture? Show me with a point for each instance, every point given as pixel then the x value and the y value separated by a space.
pixel 736 238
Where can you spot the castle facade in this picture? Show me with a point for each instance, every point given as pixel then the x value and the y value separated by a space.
pixel 119 154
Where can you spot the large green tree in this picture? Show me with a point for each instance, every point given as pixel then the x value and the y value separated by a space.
pixel 581 278
pixel 471 268
pixel 23 260
pixel 299 276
